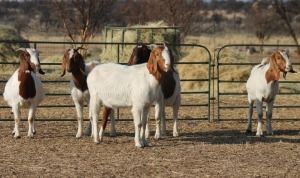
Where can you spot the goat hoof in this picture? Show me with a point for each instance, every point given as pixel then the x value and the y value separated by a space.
pixel 139 145
pixel 270 133
pixel 97 142
pixel 260 135
pixel 17 137
pixel 34 132
pixel 175 134
pixel 248 132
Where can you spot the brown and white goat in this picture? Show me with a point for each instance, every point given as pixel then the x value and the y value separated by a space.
pixel 138 86
pixel 24 89
pixel 262 86
pixel 74 63
pixel 170 88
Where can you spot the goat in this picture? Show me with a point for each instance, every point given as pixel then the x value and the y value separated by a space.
pixel 24 89
pixel 141 54
pixel 262 86
pixel 73 62
pixel 115 85
pixel 170 88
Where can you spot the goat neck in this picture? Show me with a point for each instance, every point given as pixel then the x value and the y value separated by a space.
pixel 168 84
pixel 80 80
pixel 27 85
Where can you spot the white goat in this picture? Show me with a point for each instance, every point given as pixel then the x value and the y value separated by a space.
pixel 170 87
pixel 73 62
pixel 114 85
pixel 24 89
pixel 262 86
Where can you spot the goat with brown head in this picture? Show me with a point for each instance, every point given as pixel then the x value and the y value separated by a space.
pixel 263 85
pixel 29 91
pixel 73 62
pixel 33 56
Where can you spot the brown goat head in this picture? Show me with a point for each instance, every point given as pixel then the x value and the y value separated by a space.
pixel 72 62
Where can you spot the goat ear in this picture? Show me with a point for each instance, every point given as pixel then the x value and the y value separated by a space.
pixel 152 64
pixel 64 72
pixel 64 62
pixel 63 65
pixel 278 55
pixel 132 60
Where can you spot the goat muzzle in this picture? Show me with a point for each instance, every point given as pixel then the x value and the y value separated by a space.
pixel 290 71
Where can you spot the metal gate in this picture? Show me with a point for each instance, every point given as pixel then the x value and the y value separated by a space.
pixel 58 105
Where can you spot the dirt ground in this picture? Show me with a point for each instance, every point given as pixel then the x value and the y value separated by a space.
pixel 203 149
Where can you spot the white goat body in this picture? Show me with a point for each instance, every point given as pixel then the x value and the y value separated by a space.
pixel 18 93
pixel 115 85
pixel 262 86
pixel 171 87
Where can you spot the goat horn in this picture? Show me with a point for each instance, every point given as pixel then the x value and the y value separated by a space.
pixel 152 46
pixel 82 71
pixel 165 45
pixel 21 49
pixel 80 48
